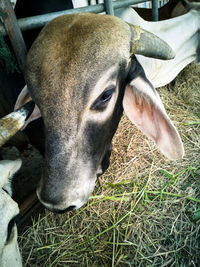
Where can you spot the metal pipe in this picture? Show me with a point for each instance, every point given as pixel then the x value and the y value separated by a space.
pixel 13 30
pixel 155 10
pixel 119 4
pixel 34 22
pixel 39 21
pixel 109 7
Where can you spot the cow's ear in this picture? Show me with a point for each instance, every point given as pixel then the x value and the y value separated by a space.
pixel 22 99
pixel 144 108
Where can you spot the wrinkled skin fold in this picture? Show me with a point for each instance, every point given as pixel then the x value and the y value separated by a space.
pixel 9 250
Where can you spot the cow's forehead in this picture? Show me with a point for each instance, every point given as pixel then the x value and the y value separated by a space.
pixel 74 44
pixel 83 30
pixel 72 53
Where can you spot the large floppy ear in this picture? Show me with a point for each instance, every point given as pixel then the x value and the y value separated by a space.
pixel 22 99
pixel 144 108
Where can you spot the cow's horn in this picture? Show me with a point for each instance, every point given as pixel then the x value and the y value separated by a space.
pixel 13 122
pixel 149 45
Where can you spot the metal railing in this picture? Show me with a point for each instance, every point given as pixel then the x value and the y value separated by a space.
pixel 13 27
pixel 108 7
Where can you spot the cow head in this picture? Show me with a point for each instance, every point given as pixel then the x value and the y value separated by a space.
pixel 81 72
pixel 9 251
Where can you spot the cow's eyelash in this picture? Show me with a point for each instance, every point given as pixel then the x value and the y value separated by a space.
pixel 101 102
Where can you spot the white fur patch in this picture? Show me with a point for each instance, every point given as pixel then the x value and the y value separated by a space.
pixel 9 251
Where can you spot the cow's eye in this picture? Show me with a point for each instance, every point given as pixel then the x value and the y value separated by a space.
pixel 102 101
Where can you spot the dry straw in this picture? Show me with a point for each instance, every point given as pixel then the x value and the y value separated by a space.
pixel 145 210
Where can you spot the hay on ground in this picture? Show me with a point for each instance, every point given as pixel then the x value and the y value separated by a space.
pixel 145 210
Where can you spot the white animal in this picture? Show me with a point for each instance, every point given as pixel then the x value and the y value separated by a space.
pixel 9 250
pixel 181 33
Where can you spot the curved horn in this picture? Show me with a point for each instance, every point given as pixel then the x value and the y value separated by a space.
pixel 13 122
pixel 149 45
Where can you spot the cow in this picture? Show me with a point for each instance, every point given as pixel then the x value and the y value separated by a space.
pixel 9 250
pixel 12 83
pixel 181 33
pixel 82 72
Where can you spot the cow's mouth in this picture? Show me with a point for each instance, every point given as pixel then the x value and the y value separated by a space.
pixel 58 206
